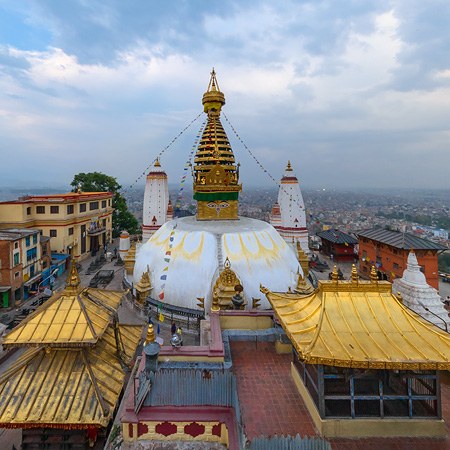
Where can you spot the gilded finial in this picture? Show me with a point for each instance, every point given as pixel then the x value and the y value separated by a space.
pixel 373 275
pixel 150 334
pixel 289 167
pixel 399 297
pixel 355 276
pixel 215 303
pixel 335 274
pixel 157 163
pixel 73 279
pixel 227 263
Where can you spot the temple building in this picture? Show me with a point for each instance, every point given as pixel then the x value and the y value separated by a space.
pixel 185 256
pixel 418 295
pixel 66 378
pixel 157 209
pixel 338 245
pixel 364 364
pixel 288 215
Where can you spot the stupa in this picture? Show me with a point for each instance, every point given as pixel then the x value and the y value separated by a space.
pixel 186 256
pixel 419 296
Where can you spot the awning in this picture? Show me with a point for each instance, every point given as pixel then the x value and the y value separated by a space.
pixel 32 280
pixel 5 288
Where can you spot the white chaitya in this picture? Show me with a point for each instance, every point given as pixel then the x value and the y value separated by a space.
pixel 288 214
pixel 156 201
pixel 420 296
pixel 256 251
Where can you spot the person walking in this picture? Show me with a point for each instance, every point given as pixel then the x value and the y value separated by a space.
pixel 173 328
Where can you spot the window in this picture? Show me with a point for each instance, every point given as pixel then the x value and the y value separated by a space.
pixel 35 238
pixel 54 209
pixel 16 245
pixel 104 223
pixel 70 231
pixel 82 207
pixel 93 205
pixel 29 211
pixel 103 203
pixel 16 259
pixel 40 209
pixel 31 254
pixel 27 241
pixel 17 275
pixel 53 233
pixel 70 209
pixel 109 202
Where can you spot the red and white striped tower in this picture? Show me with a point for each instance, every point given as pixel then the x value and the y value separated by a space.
pixel 157 207
pixel 288 214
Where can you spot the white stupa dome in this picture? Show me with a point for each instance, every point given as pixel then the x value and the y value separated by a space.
pixel 257 253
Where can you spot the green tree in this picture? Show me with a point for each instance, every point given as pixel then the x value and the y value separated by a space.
pixel 99 182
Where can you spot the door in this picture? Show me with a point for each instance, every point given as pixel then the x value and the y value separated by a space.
pixel 5 299
pixel 83 239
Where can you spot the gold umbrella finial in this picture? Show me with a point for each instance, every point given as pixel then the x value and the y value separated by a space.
pixel 150 334
pixel 355 276
pixel 73 279
pixel 373 275
pixel 335 274
pixel 289 167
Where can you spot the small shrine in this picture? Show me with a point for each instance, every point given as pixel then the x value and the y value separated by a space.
pixel 360 354
pixel 228 287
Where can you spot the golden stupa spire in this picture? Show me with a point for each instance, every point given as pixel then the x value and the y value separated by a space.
pixel 289 167
pixel 355 276
pixel 157 163
pixel 216 176
pixel 373 275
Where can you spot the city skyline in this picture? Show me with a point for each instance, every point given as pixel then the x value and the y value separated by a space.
pixel 356 96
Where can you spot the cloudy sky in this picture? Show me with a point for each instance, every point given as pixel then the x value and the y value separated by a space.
pixel 355 93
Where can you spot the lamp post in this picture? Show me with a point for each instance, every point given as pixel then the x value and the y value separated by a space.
pixel 434 314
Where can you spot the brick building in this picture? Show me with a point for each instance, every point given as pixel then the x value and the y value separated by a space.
pixel 20 264
pixel 388 251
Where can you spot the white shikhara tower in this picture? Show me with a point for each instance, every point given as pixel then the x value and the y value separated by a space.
pixel 157 207
pixel 288 214
pixel 418 295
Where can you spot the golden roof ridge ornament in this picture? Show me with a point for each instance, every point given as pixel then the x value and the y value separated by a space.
pixel 355 276
pixel 335 274
pixel 73 279
pixel 373 275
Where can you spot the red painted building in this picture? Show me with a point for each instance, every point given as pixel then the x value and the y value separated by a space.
pixel 388 251
pixel 338 245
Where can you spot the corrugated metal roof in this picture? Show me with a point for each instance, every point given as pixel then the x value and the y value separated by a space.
pixel 360 324
pixel 337 237
pixel 61 387
pixel 400 240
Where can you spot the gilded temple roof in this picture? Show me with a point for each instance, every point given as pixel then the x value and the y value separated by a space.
pixel 75 317
pixel 360 324
pixel 68 387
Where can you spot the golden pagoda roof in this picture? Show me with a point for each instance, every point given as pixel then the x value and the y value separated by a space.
pixel 360 324
pixel 67 388
pixel 72 318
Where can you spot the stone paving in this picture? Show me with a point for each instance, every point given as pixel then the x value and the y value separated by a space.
pixel 270 403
